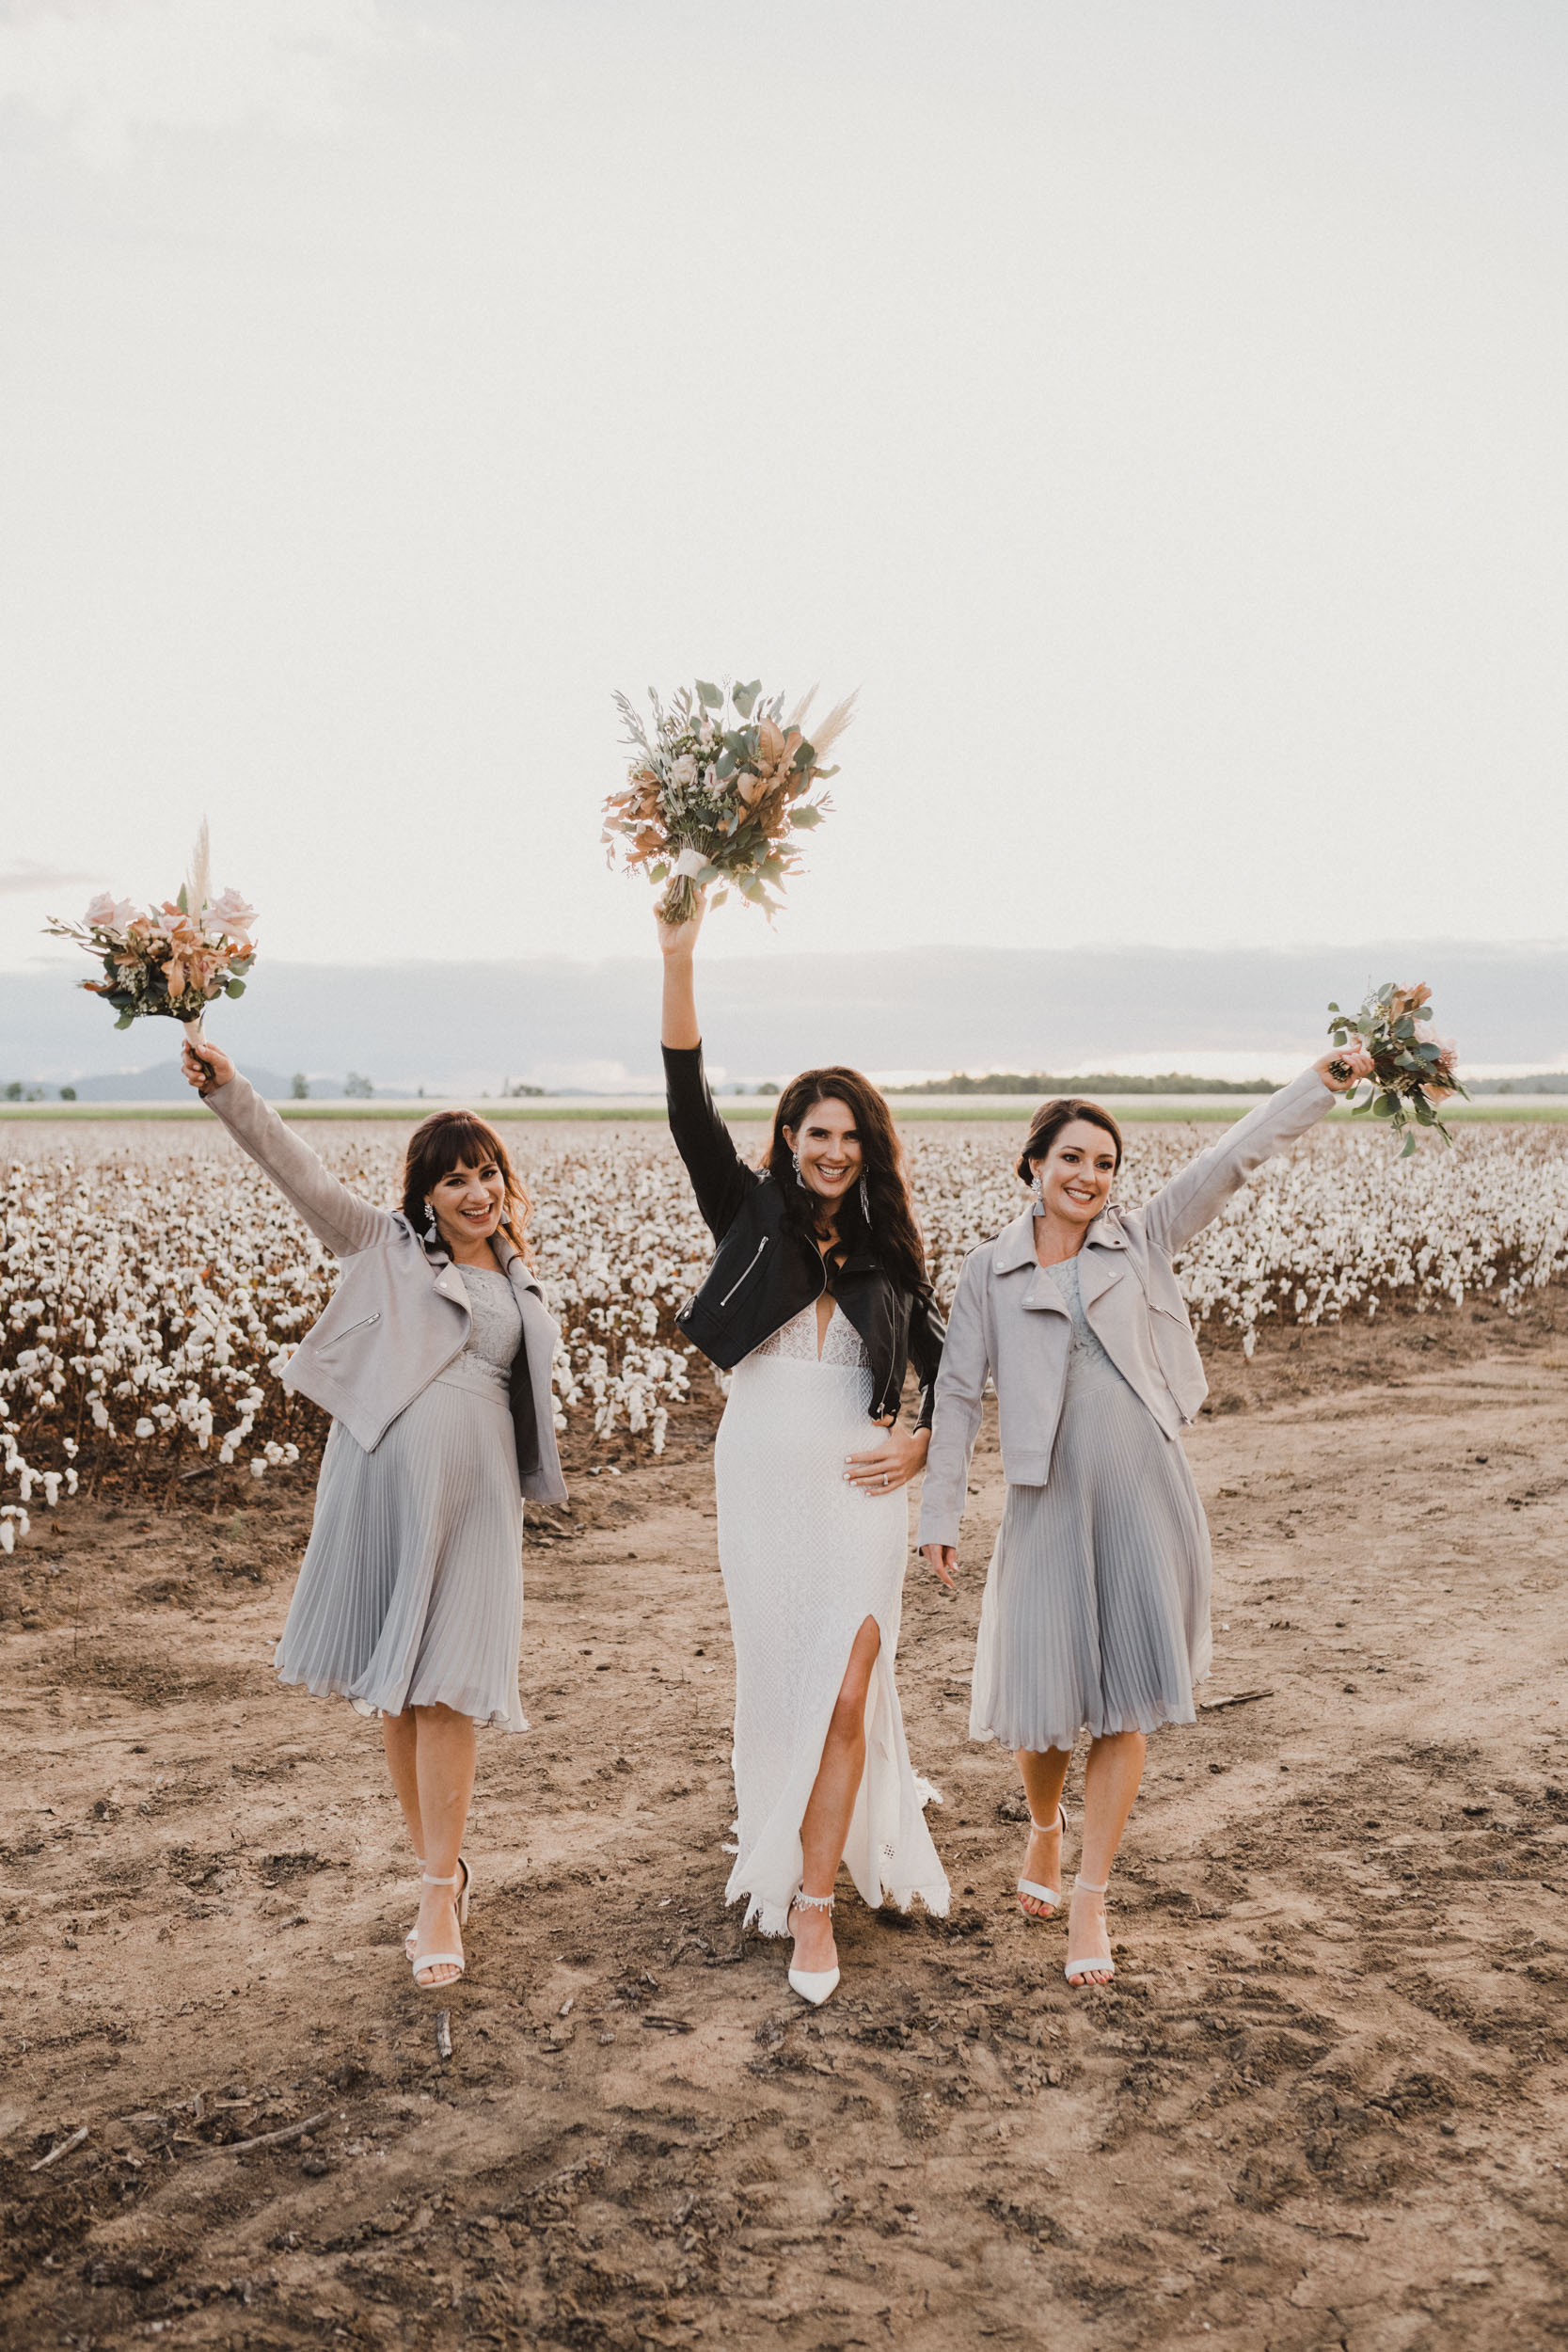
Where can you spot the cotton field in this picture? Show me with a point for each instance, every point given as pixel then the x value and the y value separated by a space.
pixel 153 1289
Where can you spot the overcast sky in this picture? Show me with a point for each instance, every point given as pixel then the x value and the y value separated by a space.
pixel 1156 409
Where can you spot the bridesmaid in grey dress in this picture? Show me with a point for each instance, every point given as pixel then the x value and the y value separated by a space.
pixel 1095 1609
pixel 434 1360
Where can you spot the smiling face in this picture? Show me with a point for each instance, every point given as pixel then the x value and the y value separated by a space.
pixel 469 1203
pixel 829 1145
pixel 1077 1172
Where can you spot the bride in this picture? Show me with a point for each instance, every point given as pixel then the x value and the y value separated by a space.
pixel 816 1299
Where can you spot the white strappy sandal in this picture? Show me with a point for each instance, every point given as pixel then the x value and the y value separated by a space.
pixel 462 1906
pixel 813 1984
pixel 1096 1963
pixel 1050 1895
pixel 421 1961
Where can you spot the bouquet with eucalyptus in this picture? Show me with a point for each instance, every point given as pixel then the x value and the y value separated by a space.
pixel 172 958
pixel 718 786
pixel 1413 1070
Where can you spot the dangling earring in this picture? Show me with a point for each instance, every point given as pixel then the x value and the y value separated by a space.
pixel 431 1230
pixel 1037 1187
pixel 798 1178
pixel 866 1202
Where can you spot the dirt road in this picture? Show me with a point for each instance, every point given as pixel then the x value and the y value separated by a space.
pixel 1323 2105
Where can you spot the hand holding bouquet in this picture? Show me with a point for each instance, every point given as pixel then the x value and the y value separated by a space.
pixel 172 958
pixel 715 791
pixel 1413 1070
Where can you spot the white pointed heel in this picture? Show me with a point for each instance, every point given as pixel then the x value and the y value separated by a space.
pixel 1096 1963
pixel 421 1961
pixel 813 1984
pixel 1050 1895
pixel 462 1904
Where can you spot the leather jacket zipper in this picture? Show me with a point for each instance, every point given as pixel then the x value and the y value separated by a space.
pixel 374 1318
pixel 736 1285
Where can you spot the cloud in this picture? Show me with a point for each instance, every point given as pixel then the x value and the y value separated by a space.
pixel 106 70
pixel 29 875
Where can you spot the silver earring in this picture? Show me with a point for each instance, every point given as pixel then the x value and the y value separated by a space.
pixel 866 1202
pixel 1037 1186
pixel 431 1230
pixel 798 1178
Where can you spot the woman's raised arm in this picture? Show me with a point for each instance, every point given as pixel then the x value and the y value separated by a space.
pixel 720 1176
pixel 335 1216
pixel 1199 1191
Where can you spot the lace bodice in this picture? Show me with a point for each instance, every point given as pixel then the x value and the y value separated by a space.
pixel 797 1340
pixel 1090 1360
pixel 496 1330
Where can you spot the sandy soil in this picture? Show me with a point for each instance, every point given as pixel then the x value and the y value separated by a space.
pixel 1323 2105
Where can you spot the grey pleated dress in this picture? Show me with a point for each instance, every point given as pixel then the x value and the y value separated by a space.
pixel 411 1590
pixel 1096 1607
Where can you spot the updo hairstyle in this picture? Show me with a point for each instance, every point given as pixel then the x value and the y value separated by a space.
pixel 1051 1119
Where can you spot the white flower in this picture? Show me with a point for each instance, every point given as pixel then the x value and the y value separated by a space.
pixel 230 916
pixel 684 771
pixel 109 913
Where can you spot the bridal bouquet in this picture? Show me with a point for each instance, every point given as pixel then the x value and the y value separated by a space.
pixel 1413 1070
pixel 171 958
pixel 716 788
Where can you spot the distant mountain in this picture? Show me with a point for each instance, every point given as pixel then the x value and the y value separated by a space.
pixel 464 1028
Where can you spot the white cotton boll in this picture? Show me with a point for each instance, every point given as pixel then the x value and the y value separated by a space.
pixel 71 1482
pixel 51 1489
pixel 226 1452
pixel 144 1429
pixel 258 1468
pixel 7 1536
pixel 25 1482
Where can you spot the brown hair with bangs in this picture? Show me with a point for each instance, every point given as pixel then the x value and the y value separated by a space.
pixel 459 1138
pixel 1051 1119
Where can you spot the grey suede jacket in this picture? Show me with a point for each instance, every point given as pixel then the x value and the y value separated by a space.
pixel 399 1316
pixel 1010 1323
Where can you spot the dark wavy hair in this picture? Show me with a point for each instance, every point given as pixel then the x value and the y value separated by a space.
pixel 894 1231
pixel 1051 1118
pixel 450 1139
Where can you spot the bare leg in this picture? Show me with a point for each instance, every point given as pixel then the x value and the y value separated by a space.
pixel 399 1736
pixel 825 1824
pixel 1110 1784
pixel 1044 1776
pixel 445 1745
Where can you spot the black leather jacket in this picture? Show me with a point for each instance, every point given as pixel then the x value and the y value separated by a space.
pixel 763 1272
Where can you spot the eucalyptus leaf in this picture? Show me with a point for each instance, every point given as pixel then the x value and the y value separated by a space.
pixel 180 901
pixel 711 698
pixel 1386 1105
pixel 744 696
pixel 235 988
pixel 125 1020
pixel 806 816
pixel 1409 1146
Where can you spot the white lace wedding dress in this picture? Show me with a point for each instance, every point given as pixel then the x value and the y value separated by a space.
pixel 806 1559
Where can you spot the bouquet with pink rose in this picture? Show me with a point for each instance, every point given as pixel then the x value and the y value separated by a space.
pixel 171 958
pixel 716 789
pixel 1411 1066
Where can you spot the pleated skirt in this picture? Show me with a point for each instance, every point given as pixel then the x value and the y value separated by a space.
pixel 411 1590
pixel 1095 1614
pixel 806 1559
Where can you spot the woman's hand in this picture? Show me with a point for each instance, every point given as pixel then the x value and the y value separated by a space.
pixel 680 939
pixel 1355 1059
pixel 210 1068
pixel 894 1462
pixel 942 1559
